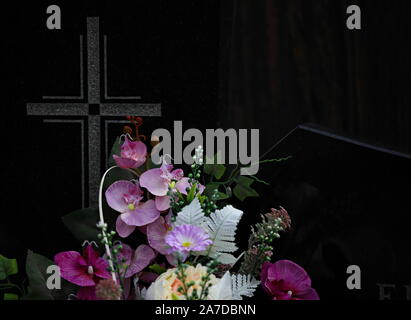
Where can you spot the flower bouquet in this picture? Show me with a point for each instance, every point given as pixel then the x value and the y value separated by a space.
pixel 162 234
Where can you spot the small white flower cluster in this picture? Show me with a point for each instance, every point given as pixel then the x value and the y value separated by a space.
pixel 101 225
pixel 198 156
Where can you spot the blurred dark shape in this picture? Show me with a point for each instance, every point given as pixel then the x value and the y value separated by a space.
pixel 349 203
pixel 284 63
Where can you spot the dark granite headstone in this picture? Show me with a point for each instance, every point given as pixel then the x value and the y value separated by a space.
pixel 154 50
pixel 350 203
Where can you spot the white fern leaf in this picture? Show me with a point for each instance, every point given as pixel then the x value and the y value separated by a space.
pixel 191 214
pixel 243 286
pixel 226 258
pixel 221 226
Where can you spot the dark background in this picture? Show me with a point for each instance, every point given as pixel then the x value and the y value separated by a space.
pixel 271 65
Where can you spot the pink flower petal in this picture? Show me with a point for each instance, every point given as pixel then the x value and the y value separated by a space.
pixel 201 188
pixel 72 270
pixel 133 154
pixel 168 217
pixel 125 163
pixel 286 280
pixel 100 267
pixel 144 214
pixel 123 229
pixel 308 294
pixel 127 253
pixel 87 293
pixel 182 185
pixel 128 293
pixel 153 182
pixel 90 255
pixel 142 258
pixel 116 192
pixel 171 259
pixel 177 174
pixel 289 272
pixel 162 203
pixel 156 233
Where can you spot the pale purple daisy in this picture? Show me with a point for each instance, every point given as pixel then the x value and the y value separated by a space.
pixel 186 238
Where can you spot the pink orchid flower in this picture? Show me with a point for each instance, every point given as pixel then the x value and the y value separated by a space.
pixel 163 202
pixel 156 235
pixel 83 270
pixel 157 231
pixel 133 154
pixel 134 260
pixel 125 197
pixel 157 182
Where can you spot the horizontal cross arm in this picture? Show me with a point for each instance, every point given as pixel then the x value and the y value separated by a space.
pixel 132 109
pixel 57 109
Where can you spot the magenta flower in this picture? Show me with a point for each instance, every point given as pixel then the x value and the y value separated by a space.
pixel 186 238
pixel 133 154
pixel 83 270
pixel 157 180
pixel 286 280
pixel 125 197
pixel 134 260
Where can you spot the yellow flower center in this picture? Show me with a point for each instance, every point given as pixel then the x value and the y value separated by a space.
pixel 186 244
pixel 131 206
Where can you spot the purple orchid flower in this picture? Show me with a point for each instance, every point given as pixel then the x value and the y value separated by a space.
pixel 286 280
pixel 134 261
pixel 132 155
pixel 186 238
pixel 83 270
pixel 157 231
pixel 157 180
pixel 125 197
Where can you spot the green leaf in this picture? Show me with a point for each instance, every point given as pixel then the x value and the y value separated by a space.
pixel 192 193
pixel 11 296
pixel 243 190
pixel 8 267
pixel 36 269
pixel 209 191
pixel 222 196
pixel 115 150
pixel 157 268
pixel 214 169
pixel 82 224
